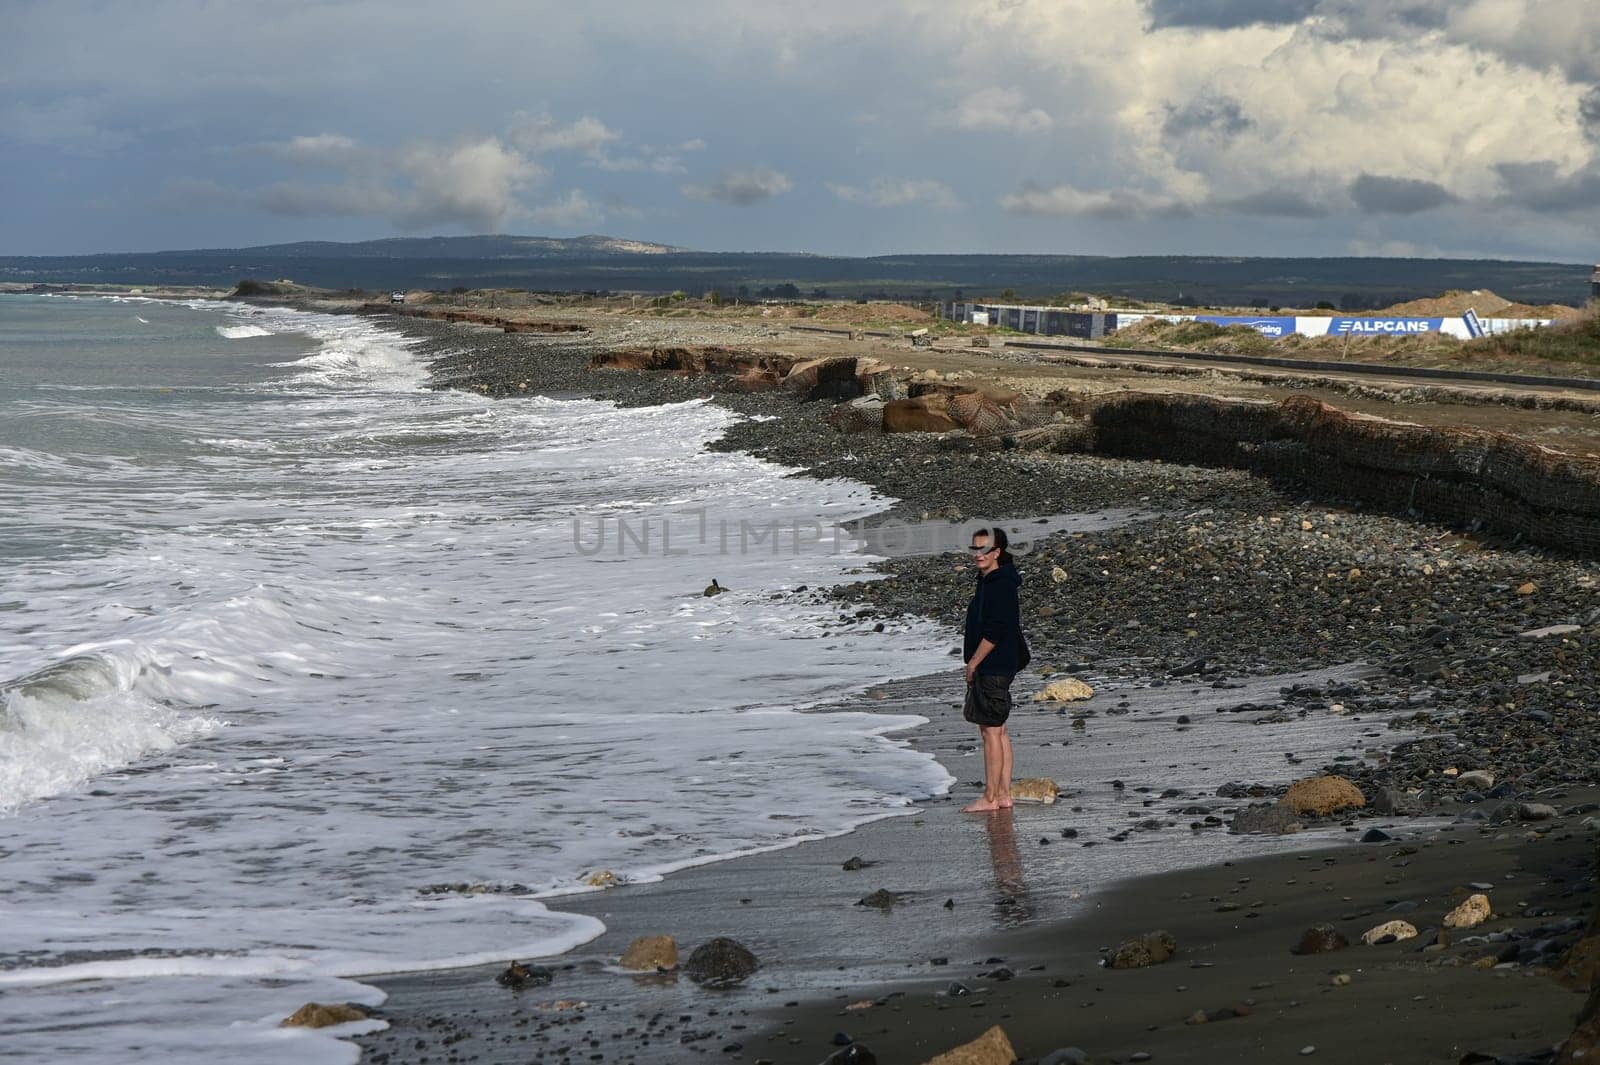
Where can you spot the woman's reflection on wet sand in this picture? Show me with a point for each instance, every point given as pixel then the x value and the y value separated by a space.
pixel 1013 904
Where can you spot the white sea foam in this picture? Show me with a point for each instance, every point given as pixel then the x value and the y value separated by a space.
pixel 325 641
pixel 240 332
pixel 68 723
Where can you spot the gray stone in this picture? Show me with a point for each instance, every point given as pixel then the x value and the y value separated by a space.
pixel 1550 630
pixel 721 962
pixel 854 1054
pixel 517 976
pixel 882 899
pixel 1265 818
pixel 1065 1056
pixel 1535 811
pixel 1395 801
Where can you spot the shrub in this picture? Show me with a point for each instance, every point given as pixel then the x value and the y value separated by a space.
pixel 1573 340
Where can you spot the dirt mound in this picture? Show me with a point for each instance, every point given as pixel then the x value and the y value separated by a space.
pixel 1485 303
pixel 864 313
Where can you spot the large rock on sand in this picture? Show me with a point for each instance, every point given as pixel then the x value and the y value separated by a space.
pixel 651 953
pixel 1035 789
pixel 1152 948
pixel 1472 912
pixel 323 1015
pixel 1389 932
pixel 925 414
pixel 990 1048
pixel 722 962
pixel 1070 690
pixel 1322 796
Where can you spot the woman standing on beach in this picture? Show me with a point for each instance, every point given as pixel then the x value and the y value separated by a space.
pixel 994 651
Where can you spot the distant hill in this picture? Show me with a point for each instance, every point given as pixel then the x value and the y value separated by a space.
pixel 601 263
pixel 496 246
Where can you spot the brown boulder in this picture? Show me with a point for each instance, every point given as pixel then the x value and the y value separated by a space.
pixel 323 1015
pixel 1035 789
pixel 1322 796
pixel 1473 911
pixel 990 1048
pixel 925 414
pixel 1152 948
pixel 1070 690
pixel 1320 939
pixel 833 377
pixel 650 953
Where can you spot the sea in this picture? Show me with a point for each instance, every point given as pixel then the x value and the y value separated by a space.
pixel 294 648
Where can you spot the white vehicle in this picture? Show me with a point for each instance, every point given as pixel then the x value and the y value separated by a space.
pixel 397 297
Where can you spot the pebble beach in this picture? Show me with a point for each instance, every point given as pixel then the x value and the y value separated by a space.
pixel 1448 678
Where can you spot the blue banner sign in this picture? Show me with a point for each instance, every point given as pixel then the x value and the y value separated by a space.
pixel 1383 326
pixel 1270 326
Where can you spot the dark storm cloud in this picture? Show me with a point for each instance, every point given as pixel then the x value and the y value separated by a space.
pixel 1211 114
pixel 1228 14
pixel 1274 203
pixel 1589 111
pixel 1541 187
pixel 1391 195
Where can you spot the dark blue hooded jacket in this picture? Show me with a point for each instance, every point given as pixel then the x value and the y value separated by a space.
pixel 993 615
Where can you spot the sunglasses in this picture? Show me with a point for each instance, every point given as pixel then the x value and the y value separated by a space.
pixel 977 550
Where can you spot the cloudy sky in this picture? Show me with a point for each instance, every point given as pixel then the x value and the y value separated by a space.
pixel 1237 127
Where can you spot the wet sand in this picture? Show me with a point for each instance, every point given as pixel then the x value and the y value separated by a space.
pixel 1051 886
pixel 980 893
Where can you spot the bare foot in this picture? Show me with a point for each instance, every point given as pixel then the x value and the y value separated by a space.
pixel 1005 802
pixel 980 806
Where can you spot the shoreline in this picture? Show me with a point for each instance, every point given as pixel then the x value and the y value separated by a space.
pixel 422 1004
